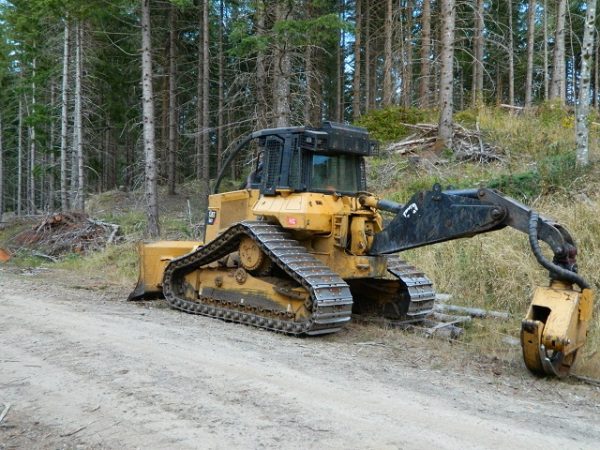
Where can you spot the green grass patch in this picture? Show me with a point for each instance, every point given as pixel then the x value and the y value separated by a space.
pixel 118 263
pixel 388 124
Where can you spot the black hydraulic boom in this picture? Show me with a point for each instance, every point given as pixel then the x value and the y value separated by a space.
pixel 436 216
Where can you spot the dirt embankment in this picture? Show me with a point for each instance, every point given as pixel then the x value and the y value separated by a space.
pixel 84 369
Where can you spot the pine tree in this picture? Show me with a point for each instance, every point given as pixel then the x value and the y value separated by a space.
pixel 150 172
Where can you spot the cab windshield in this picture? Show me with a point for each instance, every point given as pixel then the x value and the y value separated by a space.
pixel 338 173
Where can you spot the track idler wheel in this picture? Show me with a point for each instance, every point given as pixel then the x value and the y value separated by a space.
pixel 253 259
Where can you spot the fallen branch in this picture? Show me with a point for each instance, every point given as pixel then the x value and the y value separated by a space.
pixel 518 108
pixel 473 312
pixel 5 412
pixel 375 344
pixel 466 144
pixel 42 255
pixel 74 432
pixel 113 226
pixel 451 318
pixel 592 381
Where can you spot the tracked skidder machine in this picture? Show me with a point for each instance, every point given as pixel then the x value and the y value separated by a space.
pixel 303 246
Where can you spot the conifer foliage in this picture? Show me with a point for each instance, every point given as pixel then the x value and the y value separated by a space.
pixel 79 106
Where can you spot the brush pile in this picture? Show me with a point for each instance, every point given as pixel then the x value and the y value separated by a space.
pixel 467 145
pixel 62 233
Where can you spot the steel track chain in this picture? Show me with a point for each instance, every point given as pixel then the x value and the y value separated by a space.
pixel 331 301
pixel 420 288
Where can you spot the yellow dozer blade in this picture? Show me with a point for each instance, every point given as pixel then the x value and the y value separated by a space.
pixel 154 257
pixel 555 328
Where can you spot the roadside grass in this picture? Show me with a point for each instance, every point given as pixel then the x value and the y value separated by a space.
pixel 498 271
pixel 117 264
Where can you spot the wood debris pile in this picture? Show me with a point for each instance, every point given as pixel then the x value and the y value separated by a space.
pixel 467 145
pixel 63 233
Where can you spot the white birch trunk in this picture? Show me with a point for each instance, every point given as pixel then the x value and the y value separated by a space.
pixel 281 80
pixel 477 94
pixel 557 84
pixel 20 158
pixel 546 76
pixel 596 74
pixel 425 54
pixel 221 93
pixel 172 145
pixel 262 116
pixel 205 106
pixel 357 48
pixel 407 82
pixel 530 42
pixel 51 157
pixel 445 129
pixel 367 26
pixel 150 169
pixel 340 70
pixel 64 121
pixel 583 106
pixel 387 55
pixel 308 93
pixel 78 121
pixel 31 205
pixel 1 170
pixel 511 56
pixel 199 99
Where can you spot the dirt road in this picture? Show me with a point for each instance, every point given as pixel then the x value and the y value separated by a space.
pixel 83 369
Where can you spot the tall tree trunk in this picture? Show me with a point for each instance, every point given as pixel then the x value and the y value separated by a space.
pixel 205 185
pixel 425 54
pixel 583 107
pixel 313 98
pixel 262 115
pixel 572 58
pixel 511 56
pixel 172 119
pixel 596 73
pixel 199 142
pixel 367 30
pixel 445 130
pixel 281 81
pixel 530 42
pixel 408 61
pixel 51 156
pixel 1 169
pixel 478 51
pixel 78 119
pixel 557 84
pixel 546 77
pixel 340 72
pixel 356 97
pixel 221 93
pixel 31 203
pixel 387 54
pixel 499 83
pixel 64 120
pixel 20 158
pixel 150 169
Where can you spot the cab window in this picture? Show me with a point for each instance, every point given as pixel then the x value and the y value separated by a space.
pixel 336 173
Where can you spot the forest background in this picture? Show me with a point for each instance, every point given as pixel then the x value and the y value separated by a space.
pixel 74 102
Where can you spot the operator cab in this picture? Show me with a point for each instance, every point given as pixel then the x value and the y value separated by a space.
pixel 329 159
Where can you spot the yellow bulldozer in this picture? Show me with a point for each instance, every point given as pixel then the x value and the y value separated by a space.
pixel 303 246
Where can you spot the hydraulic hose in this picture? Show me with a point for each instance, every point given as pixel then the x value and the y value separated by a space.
pixel 555 269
